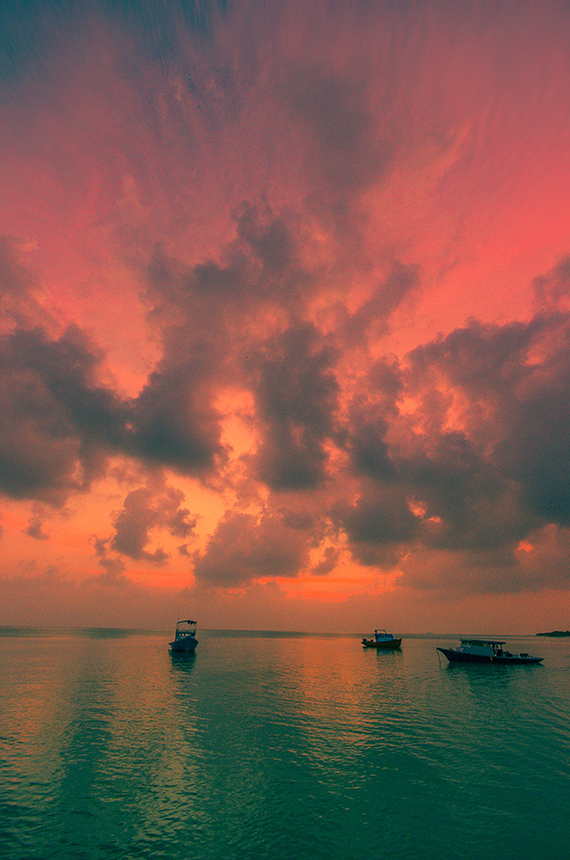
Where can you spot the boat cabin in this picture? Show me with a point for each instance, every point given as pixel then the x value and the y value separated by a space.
pixel 484 647
pixel 382 636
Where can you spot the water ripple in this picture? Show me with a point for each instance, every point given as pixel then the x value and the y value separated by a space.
pixel 281 747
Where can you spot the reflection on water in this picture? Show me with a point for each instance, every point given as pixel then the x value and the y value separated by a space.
pixel 112 746
pixel 183 660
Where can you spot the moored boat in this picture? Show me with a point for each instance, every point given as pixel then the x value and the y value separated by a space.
pixel 382 641
pixel 485 651
pixel 184 636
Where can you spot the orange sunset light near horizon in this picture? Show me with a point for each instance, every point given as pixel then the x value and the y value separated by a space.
pixel 285 321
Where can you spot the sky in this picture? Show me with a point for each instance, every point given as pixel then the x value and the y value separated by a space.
pixel 284 315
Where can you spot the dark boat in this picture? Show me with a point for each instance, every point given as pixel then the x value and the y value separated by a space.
pixel 485 651
pixel 184 636
pixel 382 641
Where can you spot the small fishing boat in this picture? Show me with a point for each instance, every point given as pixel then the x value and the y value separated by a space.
pixel 184 636
pixel 382 641
pixel 485 651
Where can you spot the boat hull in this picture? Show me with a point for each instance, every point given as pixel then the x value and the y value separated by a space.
pixel 462 657
pixel 391 645
pixel 184 644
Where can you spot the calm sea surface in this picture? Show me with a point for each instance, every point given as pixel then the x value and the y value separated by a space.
pixel 278 746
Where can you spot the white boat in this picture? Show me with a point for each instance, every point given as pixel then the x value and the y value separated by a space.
pixel 382 641
pixel 184 636
pixel 485 651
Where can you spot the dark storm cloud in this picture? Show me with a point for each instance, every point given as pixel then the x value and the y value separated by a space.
pixel 515 381
pixel 19 287
pixel 113 565
pixel 172 422
pixel 347 152
pixel 370 450
pixel 58 425
pixel 378 524
pixel 38 447
pixel 54 417
pixel 543 563
pixel 463 450
pixel 61 424
pixel 370 417
pixel 537 450
pixel 297 518
pixel 297 392
pixel 244 548
pixel 35 528
pixel 486 361
pixel 272 238
pixel 460 450
pixel 211 319
pixel 69 368
pixel 196 292
pixel 147 509
pixel 551 289
pixel 209 316
pixel 260 268
pixel 372 316
pixel 469 502
pixel 328 563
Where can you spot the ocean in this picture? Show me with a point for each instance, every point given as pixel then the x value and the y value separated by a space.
pixel 278 746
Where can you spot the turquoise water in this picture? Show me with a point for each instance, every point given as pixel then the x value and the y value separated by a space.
pixel 281 747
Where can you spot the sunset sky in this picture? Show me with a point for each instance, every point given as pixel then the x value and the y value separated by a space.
pixel 285 318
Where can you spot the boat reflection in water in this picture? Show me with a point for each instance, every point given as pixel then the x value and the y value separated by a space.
pixel 382 641
pixel 485 651
pixel 184 637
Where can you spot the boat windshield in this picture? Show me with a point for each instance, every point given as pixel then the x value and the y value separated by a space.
pixel 186 628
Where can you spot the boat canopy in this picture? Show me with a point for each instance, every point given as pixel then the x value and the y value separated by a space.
pixel 185 628
pixel 481 642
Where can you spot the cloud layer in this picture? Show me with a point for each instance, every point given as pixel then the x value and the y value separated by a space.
pixel 258 323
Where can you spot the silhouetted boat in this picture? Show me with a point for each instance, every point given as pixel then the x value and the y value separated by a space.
pixel 485 651
pixel 382 640
pixel 184 636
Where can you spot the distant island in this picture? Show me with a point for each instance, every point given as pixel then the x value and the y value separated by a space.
pixel 555 633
